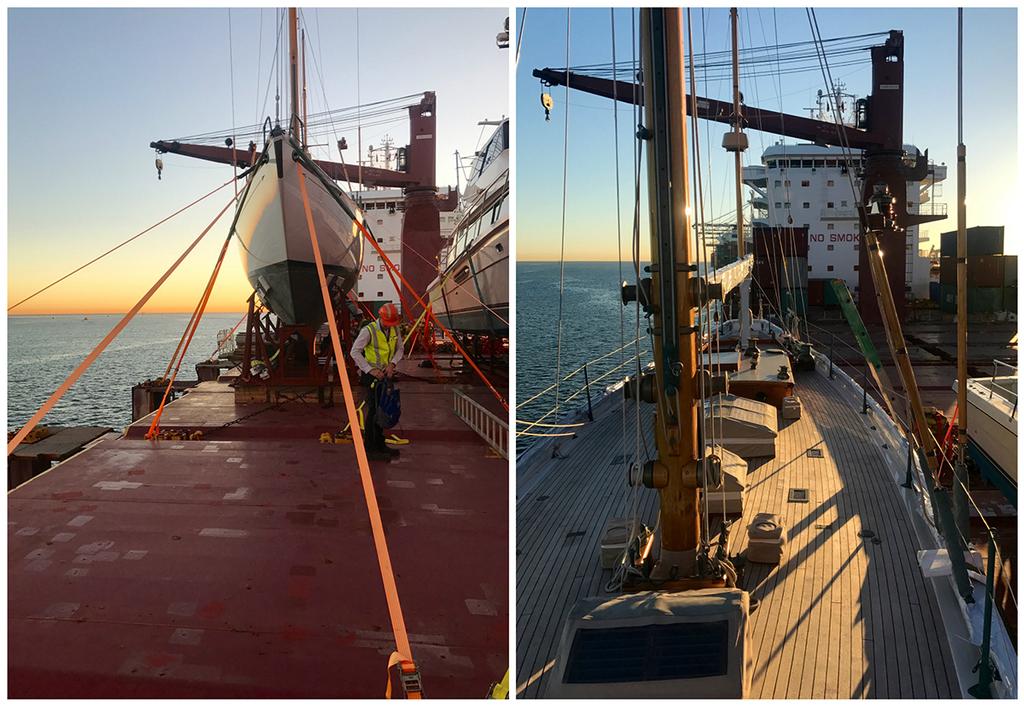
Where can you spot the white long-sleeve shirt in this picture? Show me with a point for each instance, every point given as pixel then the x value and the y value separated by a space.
pixel 360 345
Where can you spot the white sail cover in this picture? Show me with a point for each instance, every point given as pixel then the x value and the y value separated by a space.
pixel 746 427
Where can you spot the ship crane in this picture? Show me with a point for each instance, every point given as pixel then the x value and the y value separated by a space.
pixel 878 132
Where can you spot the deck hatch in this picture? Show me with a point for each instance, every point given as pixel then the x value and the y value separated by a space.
pixel 799 495
pixel 815 453
pixel 649 653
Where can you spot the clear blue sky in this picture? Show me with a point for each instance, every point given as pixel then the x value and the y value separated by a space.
pixel 88 90
pixel 990 120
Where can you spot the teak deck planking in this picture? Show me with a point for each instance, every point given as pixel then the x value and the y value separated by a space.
pixel 843 616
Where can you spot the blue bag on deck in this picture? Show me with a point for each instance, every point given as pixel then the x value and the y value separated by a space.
pixel 389 403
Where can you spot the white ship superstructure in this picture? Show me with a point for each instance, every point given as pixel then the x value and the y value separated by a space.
pixel 809 186
pixel 384 211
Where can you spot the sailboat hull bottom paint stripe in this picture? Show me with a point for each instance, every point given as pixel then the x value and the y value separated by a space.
pixel 291 289
pixel 843 616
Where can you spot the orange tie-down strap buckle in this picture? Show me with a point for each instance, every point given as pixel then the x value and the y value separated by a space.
pixel 408 674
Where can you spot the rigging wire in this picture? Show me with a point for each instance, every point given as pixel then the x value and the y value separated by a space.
pixel 826 73
pixel 359 99
pixel 231 72
pixel 522 32
pixel 259 63
pixel 565 171
pixel 618 218
pixel 119 245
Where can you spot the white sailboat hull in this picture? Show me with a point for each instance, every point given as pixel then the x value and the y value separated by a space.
pixel 275 243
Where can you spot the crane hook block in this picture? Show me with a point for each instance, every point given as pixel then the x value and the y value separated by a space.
pixel 159 168
pixel 548 102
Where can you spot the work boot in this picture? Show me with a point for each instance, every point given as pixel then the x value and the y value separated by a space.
pixel 378 455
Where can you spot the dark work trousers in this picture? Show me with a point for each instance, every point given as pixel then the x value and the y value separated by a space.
pixel 373 434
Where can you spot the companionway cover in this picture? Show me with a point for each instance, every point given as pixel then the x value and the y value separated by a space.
pixel 746 427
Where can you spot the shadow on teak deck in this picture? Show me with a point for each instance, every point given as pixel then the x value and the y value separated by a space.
pixel 846 615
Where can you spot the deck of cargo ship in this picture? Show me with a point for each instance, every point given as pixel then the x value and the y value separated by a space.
pixel 242 565
pixel 847 614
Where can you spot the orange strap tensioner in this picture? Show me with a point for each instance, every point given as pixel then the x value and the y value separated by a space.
pixel 186 339
pixel 89 359
pixel 403 653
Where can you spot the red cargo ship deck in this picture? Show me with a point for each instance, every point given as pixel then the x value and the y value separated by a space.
pixel 242 565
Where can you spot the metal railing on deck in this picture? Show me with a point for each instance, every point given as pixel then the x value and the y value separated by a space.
pixel 491 429
pixel 1007 393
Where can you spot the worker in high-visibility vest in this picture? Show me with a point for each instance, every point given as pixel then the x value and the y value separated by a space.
pixel 376 352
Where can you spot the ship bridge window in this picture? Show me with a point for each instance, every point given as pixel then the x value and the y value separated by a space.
pixel 831 163
pixel 819 163
pixel 648 653
pixel 771 164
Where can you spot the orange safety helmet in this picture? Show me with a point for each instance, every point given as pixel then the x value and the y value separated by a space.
pixel 389 315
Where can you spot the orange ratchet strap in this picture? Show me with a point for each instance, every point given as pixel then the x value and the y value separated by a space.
pixel 89 359
pixel 404 650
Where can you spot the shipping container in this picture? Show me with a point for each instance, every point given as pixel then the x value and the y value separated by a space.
pixel 1010 271
pixel 780 242
pixel 982 270
pixel 980 300
pixel 947 300
pixel 816 289
pixel 985 271
pixel 947 270
pixel 981 240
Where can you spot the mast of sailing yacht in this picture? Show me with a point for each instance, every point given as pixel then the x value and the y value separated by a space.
pixel 960 467
pixel 736 142
pixel 674 473
pixel 293 73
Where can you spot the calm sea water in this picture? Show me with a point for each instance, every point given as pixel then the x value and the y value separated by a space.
pixel 43 350
pixel 590 329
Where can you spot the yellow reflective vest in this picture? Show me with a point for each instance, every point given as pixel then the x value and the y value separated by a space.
pixel 380 349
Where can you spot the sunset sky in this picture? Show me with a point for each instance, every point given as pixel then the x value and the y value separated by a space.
pixel 88 90
pixel 990 119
